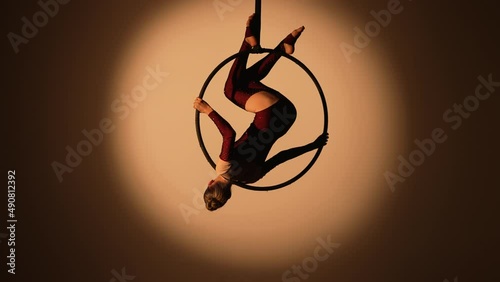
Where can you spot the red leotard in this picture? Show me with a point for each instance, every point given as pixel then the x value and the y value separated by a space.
pixel 249 152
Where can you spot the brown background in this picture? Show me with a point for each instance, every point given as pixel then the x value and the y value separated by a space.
pixel 440 224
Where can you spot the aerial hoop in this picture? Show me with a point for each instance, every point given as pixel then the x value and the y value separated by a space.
pixel 258 49
pixel 325 117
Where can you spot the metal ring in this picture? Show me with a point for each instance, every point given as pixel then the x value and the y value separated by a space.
pixel 325 116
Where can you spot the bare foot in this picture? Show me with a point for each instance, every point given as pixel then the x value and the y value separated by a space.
pixel 251 39
pixel 289 49
pixel 321 141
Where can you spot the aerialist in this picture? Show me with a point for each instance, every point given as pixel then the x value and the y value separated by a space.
pixel 244 160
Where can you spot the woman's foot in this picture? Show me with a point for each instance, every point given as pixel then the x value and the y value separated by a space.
pixel 289 42
pixel 249 37
pixel 321 141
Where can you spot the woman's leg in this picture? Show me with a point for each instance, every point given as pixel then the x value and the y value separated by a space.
pixel 262 68
pixel 238 70
pixel 292 153
pixel 268 126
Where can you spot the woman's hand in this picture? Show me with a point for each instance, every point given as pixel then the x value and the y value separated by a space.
pixel 202 106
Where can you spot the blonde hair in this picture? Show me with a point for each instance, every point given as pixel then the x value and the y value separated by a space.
pixel 216 196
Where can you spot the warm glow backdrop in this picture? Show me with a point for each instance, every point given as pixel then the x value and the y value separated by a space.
pixel 157 153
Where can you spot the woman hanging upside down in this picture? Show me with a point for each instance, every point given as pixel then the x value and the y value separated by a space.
pixel 244 160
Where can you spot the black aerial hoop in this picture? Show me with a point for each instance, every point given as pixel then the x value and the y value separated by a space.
pixel 296 61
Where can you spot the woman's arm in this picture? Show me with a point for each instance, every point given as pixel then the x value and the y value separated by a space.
pixel 227 132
